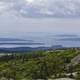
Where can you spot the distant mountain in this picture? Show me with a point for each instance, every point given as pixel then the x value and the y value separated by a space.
pixel 69 39
pixel 66 35
pixel 22 49
pixel 13 39
pixel 23 43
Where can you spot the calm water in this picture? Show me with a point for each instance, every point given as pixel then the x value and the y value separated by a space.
pixel 46 40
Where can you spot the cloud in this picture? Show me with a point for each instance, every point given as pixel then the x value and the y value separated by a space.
pixel 3 7
pixel 41 8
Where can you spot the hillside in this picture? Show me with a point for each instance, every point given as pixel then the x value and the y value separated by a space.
pixel 51 64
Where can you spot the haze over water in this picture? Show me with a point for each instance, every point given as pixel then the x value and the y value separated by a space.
pixel 40 21
pixel 41 40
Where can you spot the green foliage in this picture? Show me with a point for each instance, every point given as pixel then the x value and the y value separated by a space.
pixel 38 64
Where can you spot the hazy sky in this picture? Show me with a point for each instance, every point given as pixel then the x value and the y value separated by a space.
pixel 17 17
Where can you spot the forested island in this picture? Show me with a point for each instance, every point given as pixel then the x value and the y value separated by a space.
pixel 41 65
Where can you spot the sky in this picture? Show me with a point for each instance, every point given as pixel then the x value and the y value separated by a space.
pixel 19 17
